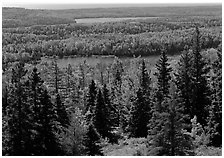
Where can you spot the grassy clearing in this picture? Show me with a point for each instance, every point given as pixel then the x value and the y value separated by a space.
pixel 137 147
pixel 208 151
pixel 129 147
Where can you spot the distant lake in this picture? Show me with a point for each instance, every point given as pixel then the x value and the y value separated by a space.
pixel 93 61
pixel 102 20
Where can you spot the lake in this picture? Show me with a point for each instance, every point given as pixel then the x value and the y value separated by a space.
pixel 102 20
pixel 93 61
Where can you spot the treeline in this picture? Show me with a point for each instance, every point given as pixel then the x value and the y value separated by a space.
pixel 18 17
pixel 124 27
pixel 28 46
pixel 60 112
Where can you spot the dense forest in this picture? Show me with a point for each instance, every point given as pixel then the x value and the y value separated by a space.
pixel 121 108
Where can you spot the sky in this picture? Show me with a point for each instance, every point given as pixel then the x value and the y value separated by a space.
pixel 69 4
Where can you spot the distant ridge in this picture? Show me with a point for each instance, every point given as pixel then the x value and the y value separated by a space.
pixel 97 6
pixel 16 16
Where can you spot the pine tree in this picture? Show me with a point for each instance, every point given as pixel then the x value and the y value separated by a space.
pixel 140 113
pixel 54 79
pixel 68 80
pixel 116 93
pixel 200 99
pixel 184 83
pixel 91 141
pixel 215 110
pixel 145 79
pixel 43 118
pixel 167 130
pixel 17 117
pixel 139 117
pixel 163 79
pixel 49 116
pixel 5 98
pixel 91 99
pixel 101 120
pixel 110 114
pixel 83 69
pixel 33 91
pixel 62 115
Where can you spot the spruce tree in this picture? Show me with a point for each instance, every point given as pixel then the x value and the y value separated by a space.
pixel 163 79
pixel 200 89
pixel 116 94
pixel 91 141
pixel 43 118
pixel 140 113
pixel 167 132
pixel 184 83
pixel 70 82
pixel 145 79
pixel 215 110
pixel 16 112
pixel 48 116
pixel 54 79
pixel 139 116
pixel 34 90
pixel 62 115
pixel 110 114
pixel 91 99
pixel 101 118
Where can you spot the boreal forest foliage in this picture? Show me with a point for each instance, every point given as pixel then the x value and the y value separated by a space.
pixel 127 107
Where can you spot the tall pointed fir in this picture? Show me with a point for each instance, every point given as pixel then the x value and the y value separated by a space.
pixel 160 108
pixel 110 114
pixel 215 110
pixel 91 99
pixel 91 141
pixel 200 93
pixel 34 91
pixel 52 146
pixel 184 83
pixel 101 118
pixel 168 137
pixel 116 94
pixel 43 112
pixel 140 113
pixel 62 115
pixel 18 133
pixel 54 79
pixel 163 76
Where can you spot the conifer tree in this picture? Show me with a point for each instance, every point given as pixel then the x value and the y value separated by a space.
pixel 17 117
pixel 91 141
pixel 184 83
pixel 215 110
pixel 116 93
pixel 33 91
pixel 51 145
pixel 91 99
pixel 5 98
pixel 140 113
pixel 167 130
pixel 145 79
pixel 54 80
pixel 200 99
pixel 62 115
pixel 139 116
pixel 101 118
pixel 68 80
pixel 163 79
pixel 110 114
pixel 43 117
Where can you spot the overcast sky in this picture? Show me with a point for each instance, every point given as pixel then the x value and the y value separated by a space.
pixel 73 4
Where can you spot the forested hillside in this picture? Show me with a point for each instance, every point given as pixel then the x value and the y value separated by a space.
pixel 160 96
pixel 17 17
